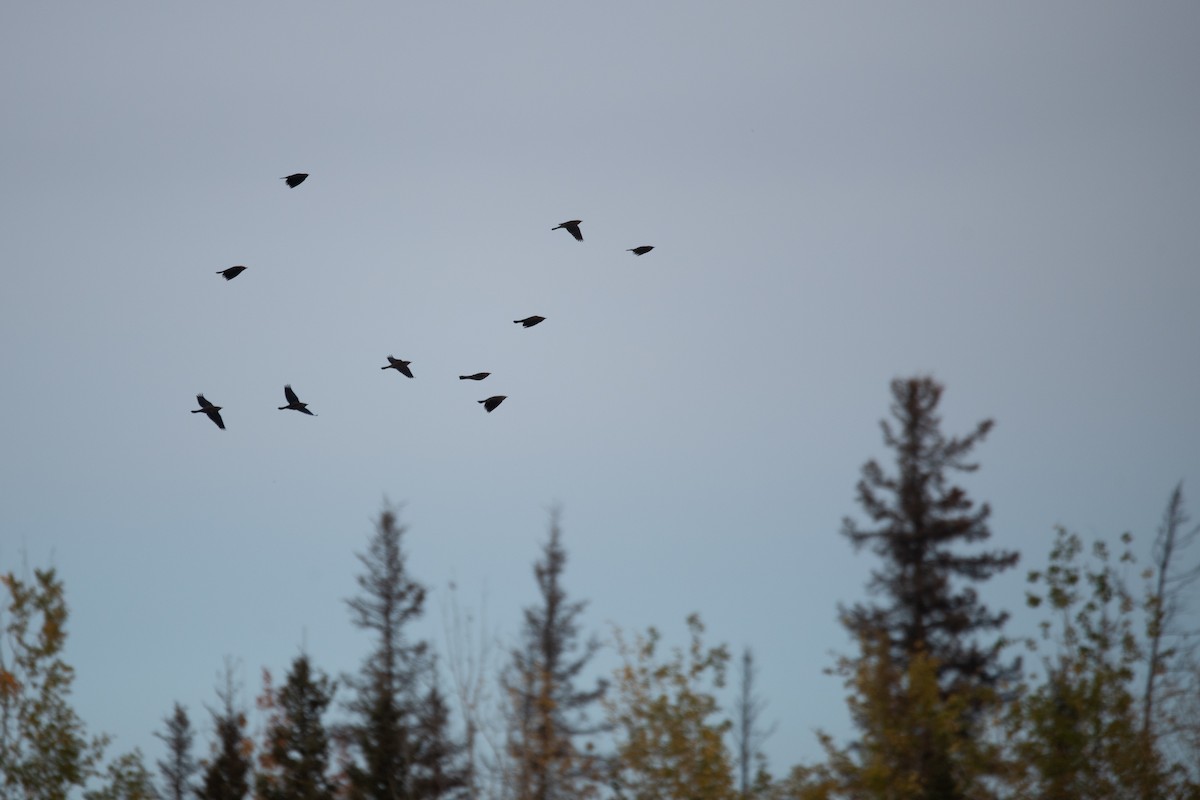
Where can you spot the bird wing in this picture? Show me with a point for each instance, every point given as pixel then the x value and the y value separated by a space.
pixel 290 395
pixel 573 227
pixel 203 403
pixel 404 370
pixel 215 416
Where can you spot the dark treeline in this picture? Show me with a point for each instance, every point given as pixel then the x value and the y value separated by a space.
pixel 1102 701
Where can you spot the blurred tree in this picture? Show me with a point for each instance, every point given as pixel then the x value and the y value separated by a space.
pixel 179 766
pixel 226 775
pixel 294 759
pixel 126 778
pixel 45 750
pixel 668 744
pixel 469 647
pixel 390 757
pixel 1171 698
pixel 1078 732
pixel 905 720
pixel 748 734
pixel 550 757
pixel 439 765
pixel 919 518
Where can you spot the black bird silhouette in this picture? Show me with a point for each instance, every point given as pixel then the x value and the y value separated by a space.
pixel 572 227
pixel 231 272
pixel 529 322
pixel 294 402
pixel 399 366
pixel 490 404
pixel 214 412
pixel 295 180
pixel 478 376
pixel 640 251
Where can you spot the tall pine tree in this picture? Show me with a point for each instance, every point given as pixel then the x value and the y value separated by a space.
pixel 295 758
pixel 920 522
pixel 548 722
pixel 389 737
pixel 179 766
pixel 227 773
pixel 931 617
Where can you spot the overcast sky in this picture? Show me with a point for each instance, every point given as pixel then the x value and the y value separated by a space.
pixel 1001 195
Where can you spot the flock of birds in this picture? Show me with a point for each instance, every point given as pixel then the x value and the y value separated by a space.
pixel 400 365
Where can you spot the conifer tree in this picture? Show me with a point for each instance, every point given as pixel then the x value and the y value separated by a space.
pixel 179 766
pixel 920 520
pixel 547 712
pixel 439 768
pixel 227 773
pixel 295 758
pixel 931 620
pixel 387 736
pixel 748 734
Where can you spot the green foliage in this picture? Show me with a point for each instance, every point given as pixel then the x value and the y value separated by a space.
pixel 916 740
pixel 668 744
pixel 45 750
pixel 1078 733
pixel 923 688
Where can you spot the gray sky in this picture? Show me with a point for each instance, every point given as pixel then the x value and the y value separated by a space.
pixel 1003 196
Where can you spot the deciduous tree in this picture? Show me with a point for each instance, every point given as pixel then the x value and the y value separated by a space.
pixel 45 750
pixel 670 743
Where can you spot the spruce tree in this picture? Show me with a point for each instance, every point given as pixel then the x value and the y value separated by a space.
pixel 931 617
pixel 227 774
pixel 179 766
pixel 547 711
pixel 389 742
pixel 296 753
pixel 920 520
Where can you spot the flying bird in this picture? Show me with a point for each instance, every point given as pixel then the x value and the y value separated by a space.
pixel 490 404
pixel 295 180
pixel 478 376
pixel 399 366
pixel 231 272
pixel 529 322
pixel 640 251
pixel 214 412
pixel 294 402
pixel 572 227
